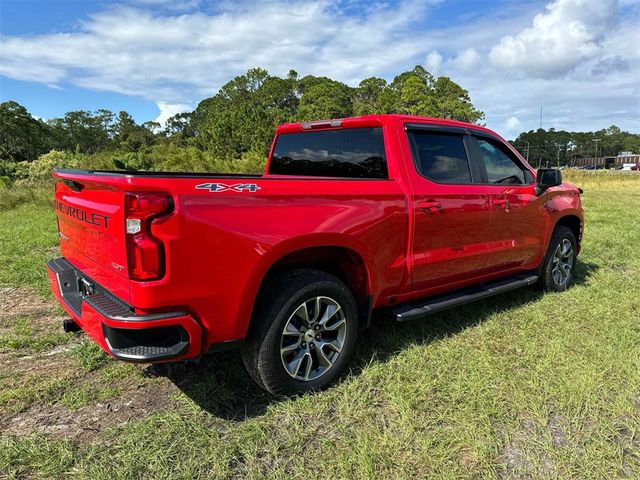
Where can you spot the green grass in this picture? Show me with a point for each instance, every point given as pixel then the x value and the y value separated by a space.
pixel 525 385
pixel 28 238
pixel 24 336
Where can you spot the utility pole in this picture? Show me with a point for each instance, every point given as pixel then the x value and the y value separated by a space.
pixel 527 151
pixel 559 145
pixel 596 140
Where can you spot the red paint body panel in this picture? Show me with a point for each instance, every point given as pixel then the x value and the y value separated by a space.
pixel 414 237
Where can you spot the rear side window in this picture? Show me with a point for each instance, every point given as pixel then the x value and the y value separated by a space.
pixel 440 157
pixel 351 153
pixel 501 168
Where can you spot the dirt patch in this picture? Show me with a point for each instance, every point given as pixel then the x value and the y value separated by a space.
pixel 513 461
pixel 88 421
pixel 21 302
pixel 558 436
pixel 34 380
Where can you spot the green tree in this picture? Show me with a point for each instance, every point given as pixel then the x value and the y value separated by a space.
pixel 453 102
pixel 323 98
pixel 369 97
pixel 130 136
pixel 82 131
pixel 22 137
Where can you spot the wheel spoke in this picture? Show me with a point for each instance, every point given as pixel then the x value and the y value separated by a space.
pixel 324 360
pixel 302 312
pixel 329 313
pixel 294 365
pixel 289 348
pixel 309 362
pixel 291 330
pixel 336 325
pixel 332 344
pixel 316 310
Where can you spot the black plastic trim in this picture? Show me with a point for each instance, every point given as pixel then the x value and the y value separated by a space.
pixel 366 312
pixel 421 308
pixel 270 177
pixel 224 346
pixel 436 128
pixel 107 305
pixel 138 352
pixel 127 173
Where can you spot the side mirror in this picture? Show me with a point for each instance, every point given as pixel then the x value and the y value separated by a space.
pixel 548 177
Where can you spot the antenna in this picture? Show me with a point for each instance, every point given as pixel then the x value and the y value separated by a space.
pixel 540 117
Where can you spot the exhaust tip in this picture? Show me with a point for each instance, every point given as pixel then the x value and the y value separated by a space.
pixel 69 326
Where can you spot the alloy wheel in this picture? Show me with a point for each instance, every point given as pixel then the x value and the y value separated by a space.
pixel 313 338
pixel 562 263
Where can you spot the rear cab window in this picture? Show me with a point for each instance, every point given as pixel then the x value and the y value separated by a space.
pixel 440 157
pixel 343 153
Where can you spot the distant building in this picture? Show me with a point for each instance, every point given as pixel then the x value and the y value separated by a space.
pixel 608 162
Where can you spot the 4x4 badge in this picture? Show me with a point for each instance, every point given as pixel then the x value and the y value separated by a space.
pixel 223 187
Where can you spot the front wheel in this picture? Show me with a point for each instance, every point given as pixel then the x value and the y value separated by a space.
pixel 303 332
pixel 560 261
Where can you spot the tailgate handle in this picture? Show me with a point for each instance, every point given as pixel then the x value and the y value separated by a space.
pixel 73 185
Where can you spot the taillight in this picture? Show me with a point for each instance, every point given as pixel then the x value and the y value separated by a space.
pixel 145 253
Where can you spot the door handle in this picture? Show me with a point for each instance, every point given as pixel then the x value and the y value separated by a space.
pixel 430 206
pixel 501 202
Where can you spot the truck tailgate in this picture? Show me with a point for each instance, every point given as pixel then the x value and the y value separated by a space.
pixel 91 225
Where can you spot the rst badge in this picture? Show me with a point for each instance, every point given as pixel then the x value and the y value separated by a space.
pixel 223 187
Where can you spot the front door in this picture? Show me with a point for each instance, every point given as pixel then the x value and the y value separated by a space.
pixel 518 222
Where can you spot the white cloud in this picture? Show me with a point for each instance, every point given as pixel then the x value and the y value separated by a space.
pixel 585 78
pixel 599 91
pixel 434 62
pixel 560 39
pixel 174 58
pixel 512 126
pixel 467 60
pixel 168 110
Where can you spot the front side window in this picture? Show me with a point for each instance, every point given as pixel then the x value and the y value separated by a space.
pixel 440 157
pixel 501 168
pixel 351 153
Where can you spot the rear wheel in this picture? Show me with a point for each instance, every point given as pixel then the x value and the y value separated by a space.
pixel 303 332
pixel 559 263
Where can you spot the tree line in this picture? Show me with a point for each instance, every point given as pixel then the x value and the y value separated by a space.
pixel 236 124
pixel 239 118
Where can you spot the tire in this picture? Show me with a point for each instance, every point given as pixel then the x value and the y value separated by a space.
pixel 560 261
pixel 319 339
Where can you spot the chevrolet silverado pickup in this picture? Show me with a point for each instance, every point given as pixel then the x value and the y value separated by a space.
pixel 401 214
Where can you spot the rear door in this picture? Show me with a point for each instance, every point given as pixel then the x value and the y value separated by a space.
pixel 518 223
pixel 451 213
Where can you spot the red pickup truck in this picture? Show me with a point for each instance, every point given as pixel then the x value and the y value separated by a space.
pixel 407 214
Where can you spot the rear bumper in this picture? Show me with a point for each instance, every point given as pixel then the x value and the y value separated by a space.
pixel 157 337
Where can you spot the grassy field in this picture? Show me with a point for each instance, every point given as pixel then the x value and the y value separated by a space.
pixel 524 385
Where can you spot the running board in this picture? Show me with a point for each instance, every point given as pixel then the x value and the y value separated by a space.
pixel 421 308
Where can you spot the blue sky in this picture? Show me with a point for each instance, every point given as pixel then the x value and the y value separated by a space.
pixel 578 59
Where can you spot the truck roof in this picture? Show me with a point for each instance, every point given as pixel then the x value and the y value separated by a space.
pixel 374 120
